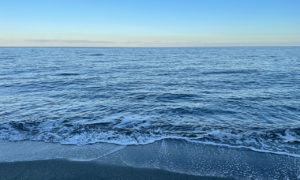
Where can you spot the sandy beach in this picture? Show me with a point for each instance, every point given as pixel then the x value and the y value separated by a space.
pixel 166 159
pixel 63 169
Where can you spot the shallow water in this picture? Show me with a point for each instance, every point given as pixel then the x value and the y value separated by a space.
pixel 172 155
pixel 245 97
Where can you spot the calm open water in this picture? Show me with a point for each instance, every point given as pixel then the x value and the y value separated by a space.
pixel 246 97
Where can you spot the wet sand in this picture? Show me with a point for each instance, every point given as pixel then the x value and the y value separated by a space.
pixel 165 159
pixel 63 169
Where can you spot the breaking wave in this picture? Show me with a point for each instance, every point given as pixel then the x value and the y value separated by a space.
pixel 135 130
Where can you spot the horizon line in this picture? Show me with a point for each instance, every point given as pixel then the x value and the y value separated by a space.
pixel 148 46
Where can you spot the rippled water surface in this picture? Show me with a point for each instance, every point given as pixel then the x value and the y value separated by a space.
pixel 245 97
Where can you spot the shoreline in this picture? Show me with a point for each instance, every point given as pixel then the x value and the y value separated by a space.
pixel 165 158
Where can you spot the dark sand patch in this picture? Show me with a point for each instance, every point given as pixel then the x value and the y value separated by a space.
pixel 63 169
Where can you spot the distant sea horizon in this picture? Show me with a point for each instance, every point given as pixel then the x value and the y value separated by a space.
pixel 206 46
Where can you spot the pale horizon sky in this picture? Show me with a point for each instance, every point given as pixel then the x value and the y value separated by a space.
pixel 138 23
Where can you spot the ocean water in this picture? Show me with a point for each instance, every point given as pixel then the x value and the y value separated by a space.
pixel 241 97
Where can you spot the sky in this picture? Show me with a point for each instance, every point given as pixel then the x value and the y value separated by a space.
pixel 150 23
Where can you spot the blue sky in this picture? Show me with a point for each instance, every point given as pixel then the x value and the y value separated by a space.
pixel 149 22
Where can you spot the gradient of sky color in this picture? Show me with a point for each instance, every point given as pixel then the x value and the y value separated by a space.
pixel 149 22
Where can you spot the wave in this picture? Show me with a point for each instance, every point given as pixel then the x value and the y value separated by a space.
pixel 97 54
pixel 68 74
pixel 137 130
pixel 246 71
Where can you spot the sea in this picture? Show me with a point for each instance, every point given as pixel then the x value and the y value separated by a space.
pixel 237 97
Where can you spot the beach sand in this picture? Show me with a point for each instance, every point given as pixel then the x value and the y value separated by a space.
pixel 165 159
pixel 63 169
